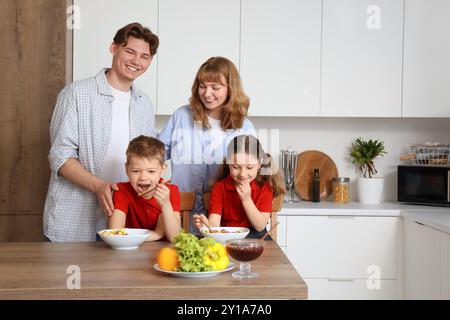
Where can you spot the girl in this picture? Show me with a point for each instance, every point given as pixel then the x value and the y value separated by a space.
pixel 197 134
pixel 243 197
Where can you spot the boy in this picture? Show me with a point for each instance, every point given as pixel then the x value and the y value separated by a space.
pixel 145 201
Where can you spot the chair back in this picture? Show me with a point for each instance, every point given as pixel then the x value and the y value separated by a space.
pixel 277 203
pixel 186 206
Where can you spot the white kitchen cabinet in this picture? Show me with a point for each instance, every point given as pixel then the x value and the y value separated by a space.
pixel 280 56
pixel 190 33
pixel 362 58
pixel 99 22
pixel 354 289
pixel 422 261
pixel 281 231
pixel 426 72
pixel 445 266
pixel 343 247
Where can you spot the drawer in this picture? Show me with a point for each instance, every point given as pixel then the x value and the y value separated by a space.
pixel 343 246
pixel 351 289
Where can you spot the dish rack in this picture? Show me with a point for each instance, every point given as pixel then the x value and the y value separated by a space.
pixel 429 154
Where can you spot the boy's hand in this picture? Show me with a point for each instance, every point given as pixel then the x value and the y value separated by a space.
pixel 162 195
pixel 198 220
pixel 244 191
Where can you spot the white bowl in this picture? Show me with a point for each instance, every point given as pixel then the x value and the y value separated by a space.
pixel 231 233
pixel 133 239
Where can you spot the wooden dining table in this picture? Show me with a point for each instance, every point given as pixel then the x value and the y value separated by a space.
pixel 44 270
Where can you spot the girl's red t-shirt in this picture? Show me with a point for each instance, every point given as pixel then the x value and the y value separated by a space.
pixel 225 201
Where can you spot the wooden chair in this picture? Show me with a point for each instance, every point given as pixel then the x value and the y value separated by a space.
pixel 277 203
pixel 186 206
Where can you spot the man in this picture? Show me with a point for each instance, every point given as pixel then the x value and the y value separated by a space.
pixel 93 121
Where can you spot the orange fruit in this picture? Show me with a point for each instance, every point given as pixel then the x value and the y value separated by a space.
pixel 168 259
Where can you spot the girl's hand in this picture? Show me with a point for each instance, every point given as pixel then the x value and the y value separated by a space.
pixel 198 220
pixel 244 191
pixel 162 195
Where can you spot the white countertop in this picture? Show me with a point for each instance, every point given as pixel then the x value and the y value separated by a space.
pixel 435 217
pixel 439 220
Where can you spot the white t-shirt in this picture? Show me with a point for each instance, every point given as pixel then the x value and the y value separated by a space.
pixel 215 123
pixel 218 138
pixel 113 166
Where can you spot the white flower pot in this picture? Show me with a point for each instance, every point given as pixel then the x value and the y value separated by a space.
pixel 370 190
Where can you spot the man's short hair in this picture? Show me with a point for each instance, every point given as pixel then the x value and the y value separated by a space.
pixel 136 30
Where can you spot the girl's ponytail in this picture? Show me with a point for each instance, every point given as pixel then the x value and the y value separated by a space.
pixel 267 173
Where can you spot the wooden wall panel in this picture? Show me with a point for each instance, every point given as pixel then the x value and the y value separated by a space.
pixel 32 61
pixel 21 227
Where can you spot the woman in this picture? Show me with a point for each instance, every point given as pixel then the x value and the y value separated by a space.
pixel 196 135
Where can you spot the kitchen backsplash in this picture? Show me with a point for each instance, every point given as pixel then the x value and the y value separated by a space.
pixel 333 136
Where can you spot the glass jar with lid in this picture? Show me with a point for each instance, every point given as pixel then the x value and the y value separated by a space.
pixel 341 189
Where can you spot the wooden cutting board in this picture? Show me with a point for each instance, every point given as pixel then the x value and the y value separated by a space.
pixel 307 161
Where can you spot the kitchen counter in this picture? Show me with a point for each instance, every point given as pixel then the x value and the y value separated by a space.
pixel 436 217
pixel 439 220
pixel 42 270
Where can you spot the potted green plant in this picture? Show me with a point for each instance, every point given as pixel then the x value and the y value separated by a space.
pixel 363 154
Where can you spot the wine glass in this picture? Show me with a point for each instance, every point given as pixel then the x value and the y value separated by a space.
pixel 244 251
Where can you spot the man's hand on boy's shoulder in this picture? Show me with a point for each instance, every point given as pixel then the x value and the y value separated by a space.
pixel 104 192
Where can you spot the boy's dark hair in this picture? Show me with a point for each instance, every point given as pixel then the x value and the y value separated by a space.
pixel 146 147
pixel 136 30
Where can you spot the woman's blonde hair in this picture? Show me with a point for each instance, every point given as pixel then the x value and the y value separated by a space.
pixel 250 145
pixel 220 70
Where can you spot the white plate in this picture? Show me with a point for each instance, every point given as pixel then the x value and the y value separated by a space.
pixel 203 274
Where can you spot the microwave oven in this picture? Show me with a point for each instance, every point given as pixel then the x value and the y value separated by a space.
pixel 428 185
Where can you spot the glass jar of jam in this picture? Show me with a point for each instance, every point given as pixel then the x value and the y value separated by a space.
pixel 341 189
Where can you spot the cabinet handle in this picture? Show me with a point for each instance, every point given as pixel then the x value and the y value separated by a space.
pixel 341 217
pixel 419 223
pixel 340 280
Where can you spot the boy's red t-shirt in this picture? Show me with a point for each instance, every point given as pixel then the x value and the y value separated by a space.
pixel 142 213
pixel 225 201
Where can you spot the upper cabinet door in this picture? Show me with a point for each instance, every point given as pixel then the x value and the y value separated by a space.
pixel 426 74
pixel 99 22
pixel 362 58
pixel 280 56
pixel 190 33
